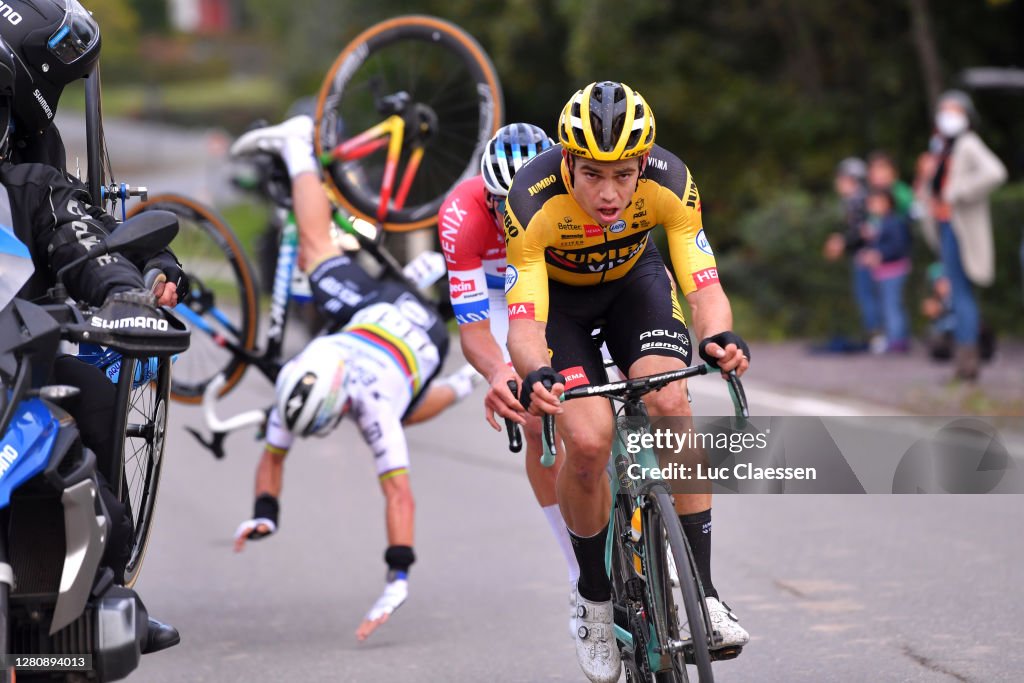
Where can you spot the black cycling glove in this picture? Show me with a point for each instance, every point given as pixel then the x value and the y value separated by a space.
pixel 546 376
pixel 265 513
pixel 167 263
pixel 723 339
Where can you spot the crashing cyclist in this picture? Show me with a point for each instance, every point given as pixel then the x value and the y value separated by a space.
pixel 580 256
pixel 378 368
pixel 50 212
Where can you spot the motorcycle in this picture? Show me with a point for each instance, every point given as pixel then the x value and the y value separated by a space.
pixel 63 615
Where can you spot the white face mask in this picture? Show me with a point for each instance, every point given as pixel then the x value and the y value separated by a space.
pixel 950 123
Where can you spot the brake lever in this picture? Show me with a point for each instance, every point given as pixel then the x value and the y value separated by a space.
pixel 515 437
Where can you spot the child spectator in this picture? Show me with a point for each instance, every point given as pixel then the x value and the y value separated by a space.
pixel 888 256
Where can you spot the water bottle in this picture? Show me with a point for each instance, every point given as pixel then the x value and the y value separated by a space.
pixel 636 533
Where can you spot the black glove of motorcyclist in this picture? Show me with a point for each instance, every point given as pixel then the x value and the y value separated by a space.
pixel 167 263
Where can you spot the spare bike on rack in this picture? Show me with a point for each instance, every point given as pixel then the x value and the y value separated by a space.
pixel 56 601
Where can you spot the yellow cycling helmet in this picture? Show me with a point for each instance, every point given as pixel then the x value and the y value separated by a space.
pixel 606 121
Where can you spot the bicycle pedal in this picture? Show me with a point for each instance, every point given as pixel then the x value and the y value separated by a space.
pixel 726 653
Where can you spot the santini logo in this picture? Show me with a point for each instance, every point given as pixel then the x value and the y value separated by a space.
pixel 139 321
pixel 9 14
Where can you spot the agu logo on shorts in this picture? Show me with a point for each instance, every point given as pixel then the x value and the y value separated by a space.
pixel 703 244
pixel 511 278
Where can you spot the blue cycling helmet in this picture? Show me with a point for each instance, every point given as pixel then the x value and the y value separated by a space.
pixel 511 147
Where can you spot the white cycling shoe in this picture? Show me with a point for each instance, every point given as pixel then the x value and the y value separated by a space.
pixel 572 610
pixel 596 649
pixel 726 624
pixel 296 132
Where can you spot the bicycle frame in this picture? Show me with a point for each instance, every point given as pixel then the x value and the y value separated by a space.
pixel 624 485
pixel 268 361
pixel 626 398
pixel 390 132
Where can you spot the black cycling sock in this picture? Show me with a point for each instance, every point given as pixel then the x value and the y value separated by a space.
pixel 593 584
pixel 697 528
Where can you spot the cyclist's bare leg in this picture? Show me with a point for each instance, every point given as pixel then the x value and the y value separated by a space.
pixel 313 217
pixel 585 426
pixel 437 399
pixel 542 479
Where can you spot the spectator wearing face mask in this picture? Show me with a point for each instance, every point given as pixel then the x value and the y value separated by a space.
pixel 958 224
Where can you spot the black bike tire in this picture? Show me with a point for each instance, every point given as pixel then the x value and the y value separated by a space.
pixel 224 237
pixel 692 600
pixel 94 152
pixel 408 27
pixel 156 421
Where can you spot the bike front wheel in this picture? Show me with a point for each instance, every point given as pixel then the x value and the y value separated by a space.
pixel 438 79
pixel 676 598
pixel 222 308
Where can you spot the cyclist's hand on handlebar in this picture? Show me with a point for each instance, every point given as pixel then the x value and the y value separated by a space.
pixel 541 390
pixel 502 401
pixel 726 351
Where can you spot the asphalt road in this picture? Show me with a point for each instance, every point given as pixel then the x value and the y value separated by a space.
pixel 832 588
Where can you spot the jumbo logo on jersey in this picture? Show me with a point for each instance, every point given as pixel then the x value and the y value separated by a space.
pixel 511 278
pixel 459 287
pixel 544 182
pixel 598 258
pixel 703 244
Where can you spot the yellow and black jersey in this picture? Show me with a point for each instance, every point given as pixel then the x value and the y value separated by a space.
pixel 547 234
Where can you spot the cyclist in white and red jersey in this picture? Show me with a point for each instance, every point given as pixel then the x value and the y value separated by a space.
pixel 470 224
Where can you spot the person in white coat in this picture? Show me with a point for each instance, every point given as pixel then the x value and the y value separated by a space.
pixel 957 222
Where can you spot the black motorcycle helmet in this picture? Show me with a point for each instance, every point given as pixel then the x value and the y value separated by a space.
pixel 6 93
pixel 54 42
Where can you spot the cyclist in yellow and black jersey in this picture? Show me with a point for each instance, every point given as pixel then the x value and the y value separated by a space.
pixel 560 240
pixel 580 257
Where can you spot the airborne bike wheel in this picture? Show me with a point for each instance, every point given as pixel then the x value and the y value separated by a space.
pixel 223 297
pixel 451 84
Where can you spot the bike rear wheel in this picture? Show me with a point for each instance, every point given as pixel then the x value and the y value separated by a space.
pixel 222 306
pixel 454 96
pixel 145 429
